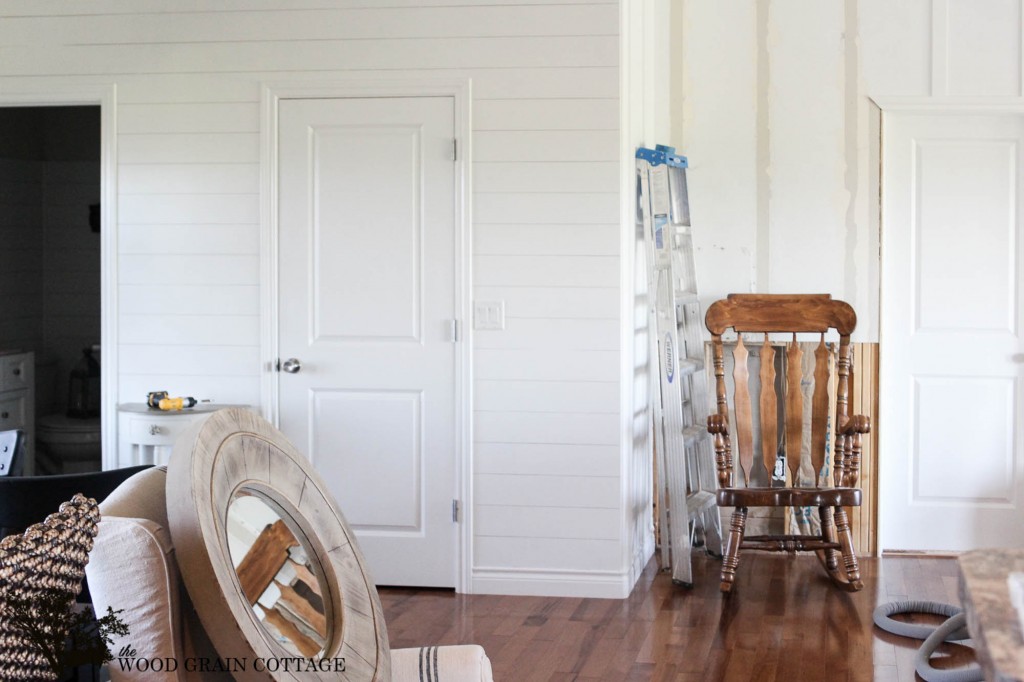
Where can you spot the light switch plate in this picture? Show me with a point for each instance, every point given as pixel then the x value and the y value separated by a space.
pixel 488 315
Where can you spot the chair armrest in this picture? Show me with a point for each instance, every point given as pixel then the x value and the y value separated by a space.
pixel 463 663
pixel 717 423
pixel 856 424
pixel 132 569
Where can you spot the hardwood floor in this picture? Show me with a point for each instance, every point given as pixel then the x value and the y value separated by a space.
pixel 784 621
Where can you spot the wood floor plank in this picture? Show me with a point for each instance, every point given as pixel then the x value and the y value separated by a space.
pixel 784 622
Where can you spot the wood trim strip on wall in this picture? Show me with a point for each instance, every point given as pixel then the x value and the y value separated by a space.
pixel 864 519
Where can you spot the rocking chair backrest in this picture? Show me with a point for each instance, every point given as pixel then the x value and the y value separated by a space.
pixel 766 314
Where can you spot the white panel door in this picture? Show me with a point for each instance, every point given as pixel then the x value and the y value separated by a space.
pixel 366 200
pixel 950 436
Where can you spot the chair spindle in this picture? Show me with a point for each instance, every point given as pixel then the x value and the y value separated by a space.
pixel 769 409
pixel 794 410
pixel 741 399
pixel 819 409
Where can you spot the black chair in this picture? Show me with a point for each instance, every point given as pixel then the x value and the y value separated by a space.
pixel 12 446
pixel 25 500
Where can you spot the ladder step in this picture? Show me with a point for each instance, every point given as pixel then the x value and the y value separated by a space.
pixel 693 433
pixel 690 366
pixel 698 501
pixel 685 297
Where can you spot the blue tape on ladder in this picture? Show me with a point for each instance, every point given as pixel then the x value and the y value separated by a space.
pixel 662 154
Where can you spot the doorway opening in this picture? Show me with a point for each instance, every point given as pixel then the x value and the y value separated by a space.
pixel 50 281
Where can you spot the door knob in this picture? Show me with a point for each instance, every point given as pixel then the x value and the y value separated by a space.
pixel 291 365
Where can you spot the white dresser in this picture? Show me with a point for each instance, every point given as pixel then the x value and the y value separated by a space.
pixel 18 400
pixel 146 436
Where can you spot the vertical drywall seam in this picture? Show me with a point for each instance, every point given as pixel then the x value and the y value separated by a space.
pixel 851 101
pixel 940 48
pixel 764 154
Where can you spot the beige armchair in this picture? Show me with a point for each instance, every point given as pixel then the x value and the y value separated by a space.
pixel 134 567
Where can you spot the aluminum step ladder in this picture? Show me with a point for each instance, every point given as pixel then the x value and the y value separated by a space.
pixel 684 453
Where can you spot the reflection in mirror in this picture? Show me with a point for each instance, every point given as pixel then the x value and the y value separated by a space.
pixel 276 576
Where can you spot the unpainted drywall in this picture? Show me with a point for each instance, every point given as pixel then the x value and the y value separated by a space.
pixel 774 106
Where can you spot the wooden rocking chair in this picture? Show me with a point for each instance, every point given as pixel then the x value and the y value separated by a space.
pixel 767 314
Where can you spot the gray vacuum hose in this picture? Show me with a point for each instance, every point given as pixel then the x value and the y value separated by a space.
pixel 954 629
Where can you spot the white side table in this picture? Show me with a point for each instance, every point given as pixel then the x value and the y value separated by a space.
pixel 146 436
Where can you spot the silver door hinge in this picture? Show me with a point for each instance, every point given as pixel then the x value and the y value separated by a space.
pixel 455 149
pixel 455 331
pixel 455 511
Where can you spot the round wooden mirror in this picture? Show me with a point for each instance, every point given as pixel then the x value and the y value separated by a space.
pixel 235 471
pixel 282 585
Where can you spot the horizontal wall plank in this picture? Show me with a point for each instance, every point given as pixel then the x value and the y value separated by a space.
pixel 554 302
pixel 540 333
pixel 190 269
pixel 21 260
pixel 547 114
pixel 545 427
pixel 239 390
pixel 189 117
pixel 17 8
pixel 553 460
pixel 20 216
pixel 550 271
pixel 508 83
pixel 189 330
pixel 188 361
pixel 544 208
pixel 313 24
pixel 597 492
pixel 547 553
pixel 183 298
pixel 515 239
pixel 546 176
pixel 195 239
pixel 73 171
pixel 189 148
pixel 184 178
pixel 75 281
pixel 592 397
pixel 546 522
pixel 170 209
pixel 546 365
pixel 69 260
pixel 434 53
pixel 21 170
pixel 563 145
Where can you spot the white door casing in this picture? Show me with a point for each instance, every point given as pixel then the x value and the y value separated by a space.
pixel 950 447
pixel 367 283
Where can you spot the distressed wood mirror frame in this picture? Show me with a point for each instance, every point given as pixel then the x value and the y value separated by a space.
pixel 237 450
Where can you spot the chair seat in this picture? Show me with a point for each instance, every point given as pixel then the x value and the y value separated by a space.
pixel 788 497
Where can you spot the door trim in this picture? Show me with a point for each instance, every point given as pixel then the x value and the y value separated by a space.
pixel 57 93
pixel 460 89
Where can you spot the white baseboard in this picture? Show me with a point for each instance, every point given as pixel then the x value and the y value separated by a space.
pixel 532 583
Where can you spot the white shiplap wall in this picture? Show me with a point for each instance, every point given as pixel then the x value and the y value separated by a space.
pixel 548 513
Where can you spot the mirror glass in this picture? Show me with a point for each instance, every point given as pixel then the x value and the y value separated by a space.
pixel 276 575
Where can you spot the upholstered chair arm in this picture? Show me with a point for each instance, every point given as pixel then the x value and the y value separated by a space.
pixel 465 663
pixel 132 570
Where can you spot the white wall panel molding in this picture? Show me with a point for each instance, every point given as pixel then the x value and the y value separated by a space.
pixel 590 584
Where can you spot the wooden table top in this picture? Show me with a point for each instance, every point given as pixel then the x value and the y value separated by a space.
pixel 991 618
